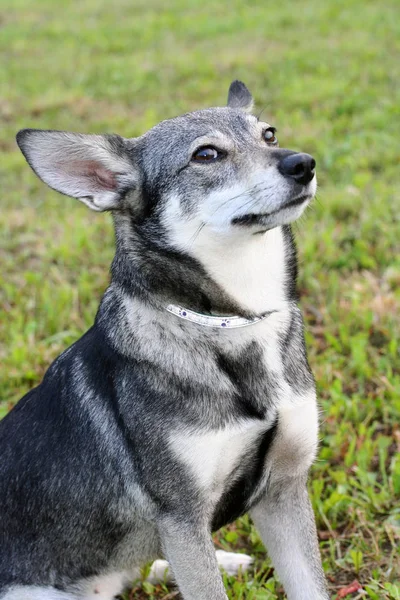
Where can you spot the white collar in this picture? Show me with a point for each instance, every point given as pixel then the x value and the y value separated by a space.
pixel 210 321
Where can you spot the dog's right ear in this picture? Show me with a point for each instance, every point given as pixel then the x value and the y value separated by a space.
pixel 96 169
pixel 240 97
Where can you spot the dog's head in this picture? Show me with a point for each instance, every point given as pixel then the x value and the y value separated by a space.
pixel 218 170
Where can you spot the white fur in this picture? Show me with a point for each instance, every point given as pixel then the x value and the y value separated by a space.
pixel 262 192
pixel 104 587
pixel 230 562
pixel 36 593
pixel 233 562
pixel 212 455
pixel 295 447
pixel 250 268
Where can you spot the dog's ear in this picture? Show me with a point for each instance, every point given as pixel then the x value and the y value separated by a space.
pixel 240 97
pixel 96 169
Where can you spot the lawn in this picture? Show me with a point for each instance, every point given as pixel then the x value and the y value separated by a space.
pixel 327 75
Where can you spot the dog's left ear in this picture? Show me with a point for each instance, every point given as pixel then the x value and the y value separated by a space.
pixel 240 97
pixel 98 170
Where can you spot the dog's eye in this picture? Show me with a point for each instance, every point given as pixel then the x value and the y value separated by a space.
pixel 206 154
pixel 269 135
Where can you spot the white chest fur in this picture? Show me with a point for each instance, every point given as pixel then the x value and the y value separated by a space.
pixel 211 456
pixel 250 269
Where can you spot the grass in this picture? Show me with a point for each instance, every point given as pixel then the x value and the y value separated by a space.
pixel 327 75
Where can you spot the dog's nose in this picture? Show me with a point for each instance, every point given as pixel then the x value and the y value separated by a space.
pixel 299 166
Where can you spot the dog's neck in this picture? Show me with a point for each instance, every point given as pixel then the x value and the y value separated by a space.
pixel 244 277
pixel 250 268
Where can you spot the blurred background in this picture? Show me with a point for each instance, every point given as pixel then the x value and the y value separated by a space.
pixel 327 75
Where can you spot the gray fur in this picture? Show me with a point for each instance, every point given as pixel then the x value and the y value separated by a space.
pixel 150 431
pixel 239 96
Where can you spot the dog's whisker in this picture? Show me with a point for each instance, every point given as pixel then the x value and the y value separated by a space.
pixel 261 112
pixel 250 202
pixel 196 234
pixel 253 189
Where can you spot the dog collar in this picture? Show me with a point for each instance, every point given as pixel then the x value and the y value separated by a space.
pixel 210 321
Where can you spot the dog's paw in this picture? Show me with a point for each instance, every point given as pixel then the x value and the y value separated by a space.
pixel 159 572
pixel 232 562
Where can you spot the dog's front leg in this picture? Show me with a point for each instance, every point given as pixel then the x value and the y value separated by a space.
pixel 190 552
pixel 285 520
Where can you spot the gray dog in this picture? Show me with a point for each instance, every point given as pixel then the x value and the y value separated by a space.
pixel 190 401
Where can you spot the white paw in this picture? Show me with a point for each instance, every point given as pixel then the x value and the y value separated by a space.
pixel 159 572
pixel 231 562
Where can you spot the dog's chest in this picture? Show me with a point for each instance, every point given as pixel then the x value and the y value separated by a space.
pixel 252 373
pixel 225 465
pixel 213 456
pixel 228 463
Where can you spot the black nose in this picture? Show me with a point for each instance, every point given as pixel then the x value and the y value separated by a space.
pixel 299 166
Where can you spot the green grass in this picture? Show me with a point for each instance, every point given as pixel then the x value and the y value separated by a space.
pixel 327 74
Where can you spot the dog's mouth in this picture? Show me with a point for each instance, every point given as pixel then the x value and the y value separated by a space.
pixel 261 218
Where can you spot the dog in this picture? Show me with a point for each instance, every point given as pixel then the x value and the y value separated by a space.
pixel 190 400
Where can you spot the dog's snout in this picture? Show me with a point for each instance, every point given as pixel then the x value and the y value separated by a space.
pixel 298 166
